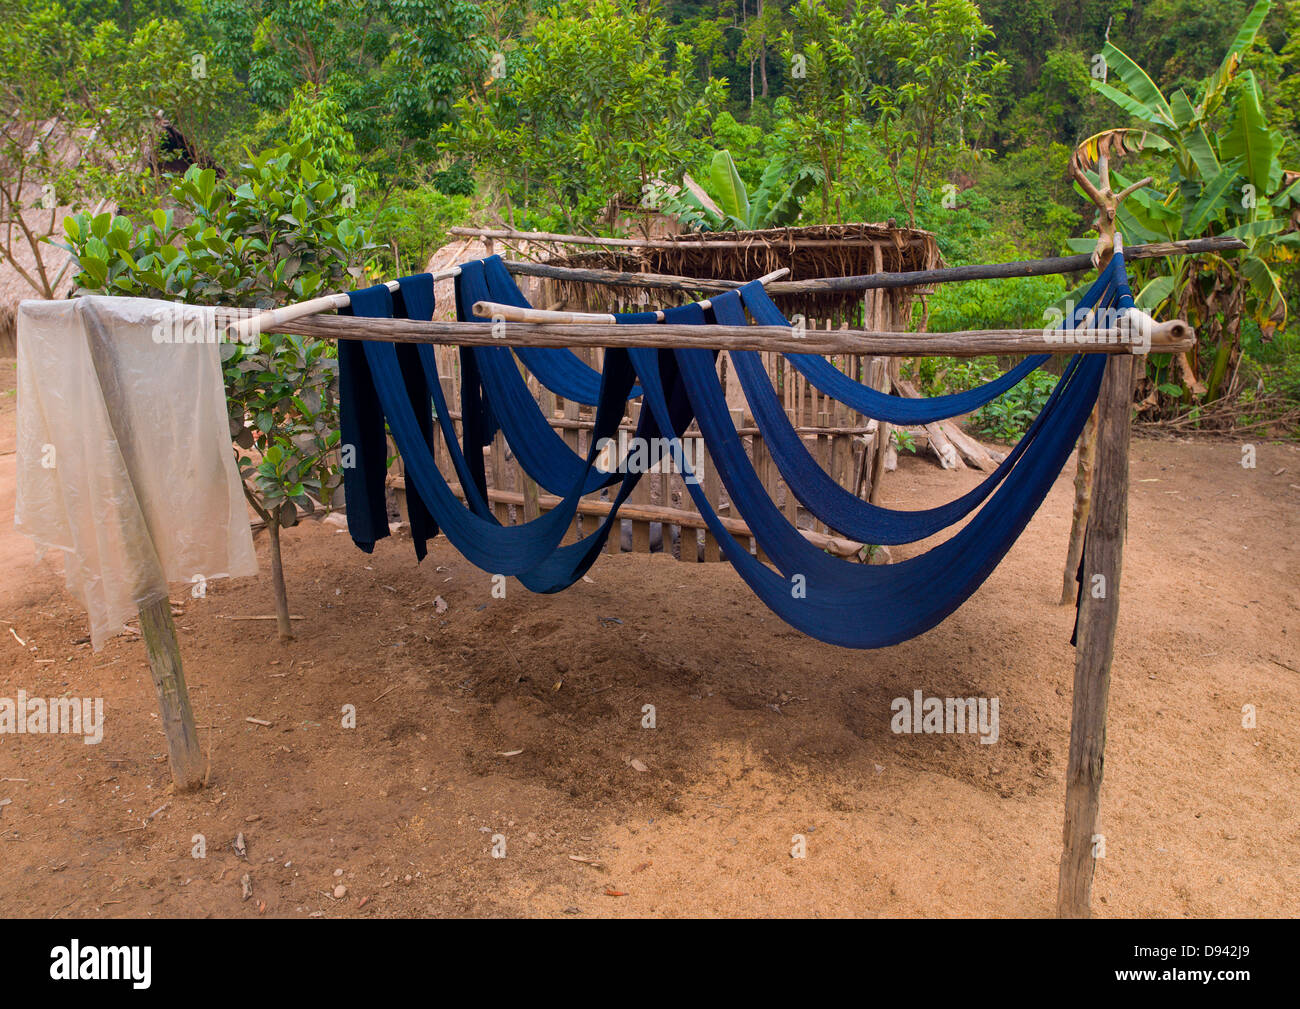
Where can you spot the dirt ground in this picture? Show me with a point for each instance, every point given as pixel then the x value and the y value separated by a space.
pixel 762 734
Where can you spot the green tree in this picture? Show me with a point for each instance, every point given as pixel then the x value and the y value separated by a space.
pixel 83 117
pixel 394 68
pixel 597 108
pixel 276 230
pixel 917 75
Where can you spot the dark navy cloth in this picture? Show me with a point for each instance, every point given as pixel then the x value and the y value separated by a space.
pixel 838 601
pixel 361 419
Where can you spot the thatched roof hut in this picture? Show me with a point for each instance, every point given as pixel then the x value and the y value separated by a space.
pixel 836 250
pixel 462 250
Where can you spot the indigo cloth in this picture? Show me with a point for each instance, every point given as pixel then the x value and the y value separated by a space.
pixel 832 599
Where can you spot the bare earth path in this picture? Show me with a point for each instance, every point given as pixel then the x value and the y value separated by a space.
pixel 762 734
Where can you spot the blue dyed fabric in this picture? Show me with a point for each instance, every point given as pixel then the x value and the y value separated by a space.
pixel 873 403
pixel 560 370
pixel 835 600
pixel 361 421
pixel 839 508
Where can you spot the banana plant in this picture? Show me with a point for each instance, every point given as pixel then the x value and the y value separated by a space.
pixel 1221 174
pixel 727 206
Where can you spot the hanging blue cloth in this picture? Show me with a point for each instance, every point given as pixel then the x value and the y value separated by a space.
pixel 839 508
pixel 361 427
pixel 361 423
pixel 895 409
pixel 557 368
pixel 530 551
pixel 571 562
pixel 541 451
pixel 835 600
pixel 867 606
pixel 509 550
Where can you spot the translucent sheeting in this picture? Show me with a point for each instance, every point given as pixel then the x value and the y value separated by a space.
pixel 124 455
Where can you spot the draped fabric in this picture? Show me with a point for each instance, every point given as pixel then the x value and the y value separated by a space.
pixel 840 509
pixel 560 370
pixel 361 419
pixel 836 600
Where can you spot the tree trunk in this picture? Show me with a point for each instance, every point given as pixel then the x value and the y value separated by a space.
pixel 277 577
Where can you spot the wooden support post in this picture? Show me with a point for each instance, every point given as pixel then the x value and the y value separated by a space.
pixel 1082 504
pixel 159 633
pixel 1107 201
pixel 1098 613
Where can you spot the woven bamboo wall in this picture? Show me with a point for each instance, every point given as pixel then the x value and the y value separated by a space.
pixel 661 514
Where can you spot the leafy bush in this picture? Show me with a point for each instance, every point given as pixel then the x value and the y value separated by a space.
pixel 1006 418
pixel 1013 303
pixel 277 230
pixel 413 224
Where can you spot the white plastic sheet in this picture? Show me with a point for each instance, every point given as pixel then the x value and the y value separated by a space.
pixel 124 454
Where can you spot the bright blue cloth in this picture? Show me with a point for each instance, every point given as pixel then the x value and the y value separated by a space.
pixel 895 409
pixel 839 508
pixel 837 601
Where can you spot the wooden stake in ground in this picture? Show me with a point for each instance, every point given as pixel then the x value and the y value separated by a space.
pixel 1108 202
pixel 159 633
pixel 1098 613
pixel 1082 505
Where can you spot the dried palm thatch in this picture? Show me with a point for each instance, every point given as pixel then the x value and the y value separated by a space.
pixel 836 250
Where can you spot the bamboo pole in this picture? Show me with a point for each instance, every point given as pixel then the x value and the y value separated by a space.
pixel 272 319
pixel 1167 337
pixel 874 281
pixel 497 311
pixel 1103 555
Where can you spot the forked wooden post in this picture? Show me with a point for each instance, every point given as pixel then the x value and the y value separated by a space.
pixel 159 633
pixel 1103 554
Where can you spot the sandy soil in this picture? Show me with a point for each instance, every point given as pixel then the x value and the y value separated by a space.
pixel 761 733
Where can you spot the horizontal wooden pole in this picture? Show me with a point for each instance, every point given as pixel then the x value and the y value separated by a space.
pixel 701 239
pixel 498 311
pixel 875 281
pixel 1164 337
